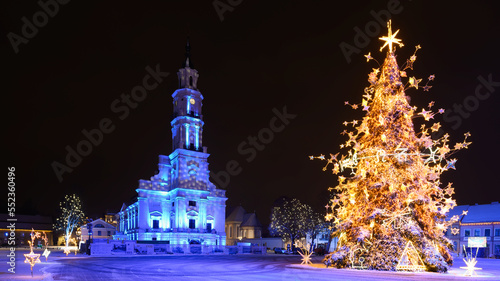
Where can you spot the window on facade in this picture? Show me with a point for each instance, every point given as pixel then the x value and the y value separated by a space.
pixel 99 233
pixel 497 232
pixel 209 227
pixel 109 233
pixel 477 232
pixel 192 223
pixel 487 232
pixel 467 233
pixel 98 226
pixel 154 238
pixel 173 204
pixel 230 231
pixel 497 249
pixel 192 203
pixel 156 224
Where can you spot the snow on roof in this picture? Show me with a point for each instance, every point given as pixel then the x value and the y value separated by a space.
pixel 483 213
pixel 251 220
pixel 457 211
pixel 236 215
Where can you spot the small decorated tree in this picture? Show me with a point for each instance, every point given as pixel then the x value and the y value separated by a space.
pixel 70 218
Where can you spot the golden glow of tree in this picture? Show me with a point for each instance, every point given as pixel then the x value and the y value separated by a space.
pixel 71 217
pixel 392 193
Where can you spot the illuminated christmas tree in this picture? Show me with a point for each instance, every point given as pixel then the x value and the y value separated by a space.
pixel 392 195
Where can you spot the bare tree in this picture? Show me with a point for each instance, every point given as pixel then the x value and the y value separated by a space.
pixel 71 216
pixel 290 220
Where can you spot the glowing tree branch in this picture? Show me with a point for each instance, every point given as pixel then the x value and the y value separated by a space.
pixel 71 217
pixel 392 196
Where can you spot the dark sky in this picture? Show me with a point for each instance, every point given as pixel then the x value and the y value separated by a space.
pixel 262 55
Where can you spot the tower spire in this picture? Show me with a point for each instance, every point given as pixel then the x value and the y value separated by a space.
pixel 187 61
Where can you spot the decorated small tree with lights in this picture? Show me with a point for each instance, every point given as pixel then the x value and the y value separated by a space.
pixel 290 220
pixel 389 207
pixel 71 217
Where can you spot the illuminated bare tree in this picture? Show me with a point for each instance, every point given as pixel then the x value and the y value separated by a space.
pixel 71 217
pixel 290 220
pixel 392 200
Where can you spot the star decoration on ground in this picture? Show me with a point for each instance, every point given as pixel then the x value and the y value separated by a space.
pixel 390 38
pixel 32 258
pixel 66 251
pixel 306 257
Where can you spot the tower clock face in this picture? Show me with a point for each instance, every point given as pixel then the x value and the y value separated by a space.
pixel 192 101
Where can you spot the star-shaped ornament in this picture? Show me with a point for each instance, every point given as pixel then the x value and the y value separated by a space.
pixel 390 38
pixel 368 57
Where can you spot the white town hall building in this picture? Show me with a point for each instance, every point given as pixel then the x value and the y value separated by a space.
pixel 179 205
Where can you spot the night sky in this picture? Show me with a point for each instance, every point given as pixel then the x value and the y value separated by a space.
pixel 261 55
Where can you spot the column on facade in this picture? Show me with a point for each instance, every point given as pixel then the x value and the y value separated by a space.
pixel 128 218
pixel 165 214
pixel 121 222
pixel 181 216
pixel 143 213
pixel 202 213
pixel 186 135
pixel 219 216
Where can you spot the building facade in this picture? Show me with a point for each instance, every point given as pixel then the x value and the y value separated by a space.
pixel 179 205
pixel 19 233
pixel 100 230
pixel 476 221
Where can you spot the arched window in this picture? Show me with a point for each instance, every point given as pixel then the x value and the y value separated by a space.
pixel 191 81
pixel 230 231
pixel 98 226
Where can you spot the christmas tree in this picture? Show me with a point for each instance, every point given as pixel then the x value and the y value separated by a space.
pixel 392 195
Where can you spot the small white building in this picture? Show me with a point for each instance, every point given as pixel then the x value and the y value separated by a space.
pixel 100 230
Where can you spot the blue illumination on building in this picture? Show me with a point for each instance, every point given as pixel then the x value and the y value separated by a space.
pixel 162 210
pixel 197 137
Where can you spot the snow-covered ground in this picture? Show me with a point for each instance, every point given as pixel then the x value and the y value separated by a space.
pixel 214 267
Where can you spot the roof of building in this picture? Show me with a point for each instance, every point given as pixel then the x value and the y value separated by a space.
pixel 237 214
pixel 457 211
pixel 251 220
pixel 483 213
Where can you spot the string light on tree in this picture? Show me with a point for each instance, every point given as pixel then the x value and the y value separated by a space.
pixel 392 198
pixel 71 217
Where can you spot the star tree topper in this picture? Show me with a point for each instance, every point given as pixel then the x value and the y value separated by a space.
pixel 390 38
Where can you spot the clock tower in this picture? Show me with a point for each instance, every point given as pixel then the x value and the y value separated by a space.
pixel 179 204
